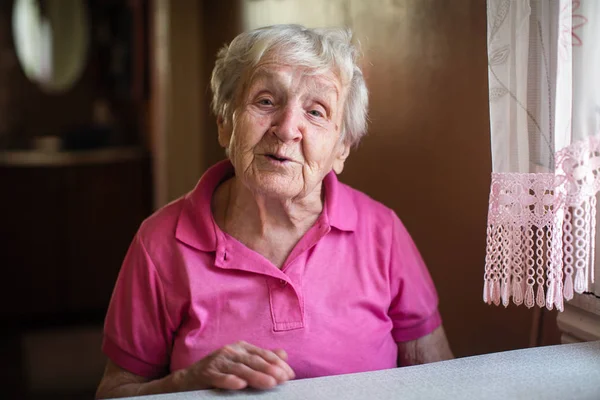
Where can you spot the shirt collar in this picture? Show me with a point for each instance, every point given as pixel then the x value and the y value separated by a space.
pixel 339 205
pixel 197 227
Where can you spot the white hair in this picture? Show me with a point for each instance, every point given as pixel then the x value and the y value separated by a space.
pixel 319 50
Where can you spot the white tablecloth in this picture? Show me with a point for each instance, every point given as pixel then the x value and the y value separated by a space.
pixel 570 371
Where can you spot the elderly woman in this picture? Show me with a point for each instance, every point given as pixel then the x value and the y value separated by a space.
pixel 271 269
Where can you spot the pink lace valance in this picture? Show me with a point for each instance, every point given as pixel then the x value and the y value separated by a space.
pixel 541 231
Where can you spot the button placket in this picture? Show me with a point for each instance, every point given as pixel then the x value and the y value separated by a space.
pixel 286 309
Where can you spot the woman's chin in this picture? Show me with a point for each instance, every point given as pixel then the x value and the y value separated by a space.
pixel 277 187
pixel 276 192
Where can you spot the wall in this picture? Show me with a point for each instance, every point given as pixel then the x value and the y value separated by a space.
pixel 427 153
pixel 177 101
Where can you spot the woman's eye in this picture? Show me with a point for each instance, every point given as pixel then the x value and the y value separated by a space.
pixel 265 102
pixel 315 113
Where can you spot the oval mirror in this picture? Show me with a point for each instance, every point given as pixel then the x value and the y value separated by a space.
pixel 51 40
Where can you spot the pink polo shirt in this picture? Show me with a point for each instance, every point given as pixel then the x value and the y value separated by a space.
pixel 352 287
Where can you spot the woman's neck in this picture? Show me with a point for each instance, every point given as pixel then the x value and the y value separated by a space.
pixel 267 225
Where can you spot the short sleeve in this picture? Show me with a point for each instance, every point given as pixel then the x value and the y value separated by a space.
pixel 414 306
pixel 137 332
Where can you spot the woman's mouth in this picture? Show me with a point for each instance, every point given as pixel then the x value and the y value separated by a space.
pixel 276 158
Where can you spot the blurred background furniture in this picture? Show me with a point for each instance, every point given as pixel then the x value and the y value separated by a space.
pixel 76 179
pixel 66 225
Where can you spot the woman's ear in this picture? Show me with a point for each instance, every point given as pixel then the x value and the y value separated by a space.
pixel 225 129
pixel 338 163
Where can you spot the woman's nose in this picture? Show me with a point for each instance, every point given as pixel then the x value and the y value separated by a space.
pixel 288 124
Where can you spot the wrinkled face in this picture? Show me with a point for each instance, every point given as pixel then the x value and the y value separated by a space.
pixel 285 132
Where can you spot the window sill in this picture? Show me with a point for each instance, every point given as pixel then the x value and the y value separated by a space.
pixel 580 322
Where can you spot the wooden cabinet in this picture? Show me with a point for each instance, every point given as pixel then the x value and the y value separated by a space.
pixel 65 227
pixel 32 211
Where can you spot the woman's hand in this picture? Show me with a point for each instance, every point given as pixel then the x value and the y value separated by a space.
pixel 238 366
pixel 233 367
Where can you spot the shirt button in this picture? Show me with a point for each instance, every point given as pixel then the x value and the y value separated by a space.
pixel 282 282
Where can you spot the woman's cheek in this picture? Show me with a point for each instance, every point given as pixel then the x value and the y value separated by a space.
pixel 313 151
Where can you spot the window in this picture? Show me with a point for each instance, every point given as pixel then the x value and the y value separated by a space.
pixel 581 319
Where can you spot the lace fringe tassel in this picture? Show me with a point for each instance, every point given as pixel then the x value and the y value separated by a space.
pixel 541 300
pixel 568 290
pixel 517 290
pixel 496 292
pixel 529 297
pixel 538 253
pixel 505 293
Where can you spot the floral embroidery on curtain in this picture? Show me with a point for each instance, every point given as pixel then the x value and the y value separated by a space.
pixel 544 80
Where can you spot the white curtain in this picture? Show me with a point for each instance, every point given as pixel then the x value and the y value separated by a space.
pixel 544 83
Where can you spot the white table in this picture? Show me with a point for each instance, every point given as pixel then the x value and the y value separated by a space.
pixel 570 371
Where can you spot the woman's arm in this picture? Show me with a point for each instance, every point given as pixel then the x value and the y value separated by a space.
pixel 118 382
pixel 429 348
pixel 232 367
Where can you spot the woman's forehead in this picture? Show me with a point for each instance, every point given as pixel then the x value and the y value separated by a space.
pixel 288 75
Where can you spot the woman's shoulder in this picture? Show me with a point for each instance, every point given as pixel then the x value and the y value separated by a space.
pixel 358 211
pixel 162 224
pixel 364 204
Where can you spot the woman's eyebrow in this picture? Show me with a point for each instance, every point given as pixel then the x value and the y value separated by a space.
pixel 264 74
pixel 323 88
pixel 324 93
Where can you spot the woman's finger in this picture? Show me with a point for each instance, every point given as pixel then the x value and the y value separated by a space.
pixel 255 379
pixel 281 362
pixel 258 363
pixel 270 356
pixel 227 381
pixel 281 354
